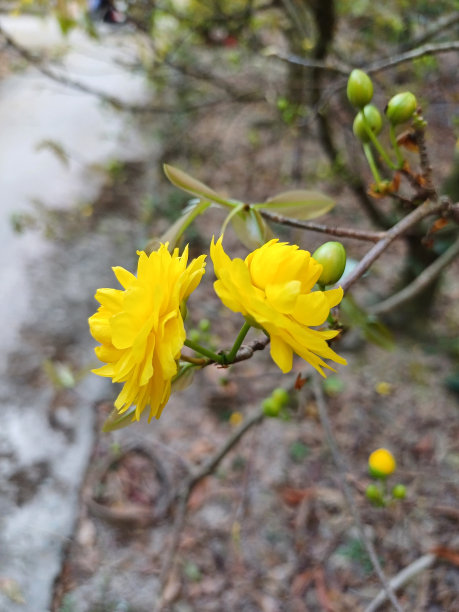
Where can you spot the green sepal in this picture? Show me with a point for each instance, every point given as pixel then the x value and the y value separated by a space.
pixel 116 420
pixel 250 227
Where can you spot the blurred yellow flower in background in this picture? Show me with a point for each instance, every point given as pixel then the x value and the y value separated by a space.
pixel 140 327
pixel 272 289
pixel 381 463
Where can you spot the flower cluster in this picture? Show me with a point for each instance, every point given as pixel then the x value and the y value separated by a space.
pixel 140 327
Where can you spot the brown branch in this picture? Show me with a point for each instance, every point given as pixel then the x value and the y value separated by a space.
pixel 426 277
pixel 339 462
pixel 400 228
pixel 408 56
pixel 378 66
pixel 426 167
pixel 184 494
pixel 343 232
pixel 404 576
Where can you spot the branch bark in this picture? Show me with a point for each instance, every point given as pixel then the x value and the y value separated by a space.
pixel 400 228
pixel 420 283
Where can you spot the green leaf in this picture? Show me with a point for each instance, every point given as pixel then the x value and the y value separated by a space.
pixel 299 204
pixel 187 183
pixel 373 330
pixel 176 230
pixel 117 420
pixel 251 229
pixel 183 378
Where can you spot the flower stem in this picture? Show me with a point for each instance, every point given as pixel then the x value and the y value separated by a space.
pixel 237 343
pixel 206 352
pixel 371 162
pixel 377 145
pixel 393 140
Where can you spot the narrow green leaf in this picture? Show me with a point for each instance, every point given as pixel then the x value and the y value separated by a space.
pixel 251 229
pixel 176 230
pixel 299 204
pixel 187 183
pixel 373 330
pixel 116 420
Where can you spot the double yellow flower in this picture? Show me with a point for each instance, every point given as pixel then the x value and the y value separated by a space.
pixel 141 331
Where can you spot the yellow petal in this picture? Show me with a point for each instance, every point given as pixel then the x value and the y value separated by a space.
pixel 281 354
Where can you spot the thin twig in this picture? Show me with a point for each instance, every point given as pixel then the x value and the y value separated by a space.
pixel 378 66
pixel 344 232
pixel 213 462
pixel 339 462
pixel 408 56
pixel 404 576
pixel 426 209
pixel 436 27
pixel 184 494
pixel 38 63
pixel 421 282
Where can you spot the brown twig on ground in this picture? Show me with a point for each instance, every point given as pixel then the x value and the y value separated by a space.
pixel 421 282
pixel 344 232
pixel 400 228
pixel 404 576
pixel 339 462
pixel 184 494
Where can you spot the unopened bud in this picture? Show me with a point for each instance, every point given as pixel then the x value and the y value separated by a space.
pixel 271 407
pixel 401 107
pixel 373 494
pixel 359 88
pixel 373 119
pixel 332 257
pixel 399 491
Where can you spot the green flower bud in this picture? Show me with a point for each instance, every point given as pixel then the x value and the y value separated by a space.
pixel 401 107
pixel 332 256
pixel 373 494
pixel 359 88
pixel 280 396
pixel 374 120
pixel 270 407
pixel 399 491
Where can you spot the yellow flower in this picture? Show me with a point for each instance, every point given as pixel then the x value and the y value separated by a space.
pixel 381 463
pixel 272 289
pixel 140 327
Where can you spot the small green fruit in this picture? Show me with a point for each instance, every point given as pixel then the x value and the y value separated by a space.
pixel 280 396
pixel 359 88
pixel 374 120
pixel 373 494
pixel 401 107
pixel 399 491
pixel 332 256
pixel 270 407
